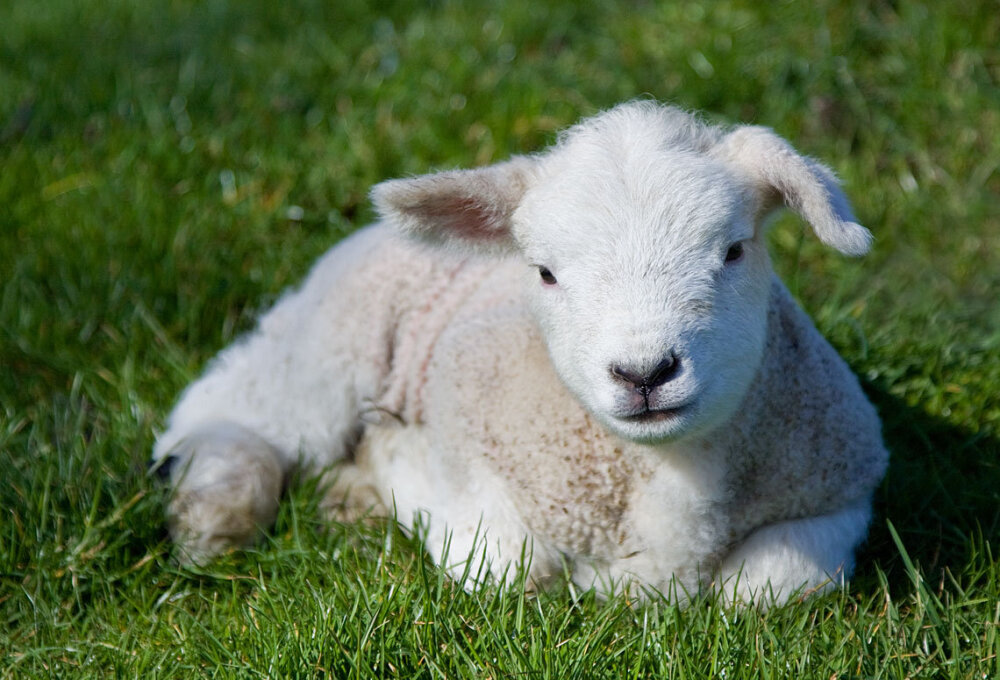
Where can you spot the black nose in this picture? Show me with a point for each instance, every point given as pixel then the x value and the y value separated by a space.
pixel 646 382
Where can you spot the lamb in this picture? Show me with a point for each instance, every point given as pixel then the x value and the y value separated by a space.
pixel 581 356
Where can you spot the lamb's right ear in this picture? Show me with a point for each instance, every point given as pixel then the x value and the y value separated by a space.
pixel 471 209
pixel 782 176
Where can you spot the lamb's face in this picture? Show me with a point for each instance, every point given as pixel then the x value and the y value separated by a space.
pixel 650 286
pixel 644 256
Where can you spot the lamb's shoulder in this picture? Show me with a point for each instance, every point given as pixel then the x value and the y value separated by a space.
pixel 806 440
pixel 378 303
pixel 440 296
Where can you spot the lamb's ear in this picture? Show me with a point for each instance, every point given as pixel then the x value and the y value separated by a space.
pixel 470 209
pixel 782 176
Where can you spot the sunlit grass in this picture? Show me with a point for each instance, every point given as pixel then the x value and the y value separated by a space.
pixel 168 168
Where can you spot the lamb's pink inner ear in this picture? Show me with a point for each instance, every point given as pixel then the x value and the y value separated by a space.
pixel 782 176
pixel 460 216
pixel 471 209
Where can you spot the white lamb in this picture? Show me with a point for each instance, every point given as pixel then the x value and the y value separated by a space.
pixel 582 356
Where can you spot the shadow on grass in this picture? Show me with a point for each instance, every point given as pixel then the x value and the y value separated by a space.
pixel 941 494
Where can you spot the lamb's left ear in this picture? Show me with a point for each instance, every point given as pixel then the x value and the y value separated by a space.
pixel 782 176
pixel 470 209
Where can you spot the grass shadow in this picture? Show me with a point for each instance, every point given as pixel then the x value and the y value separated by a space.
pixel 941 494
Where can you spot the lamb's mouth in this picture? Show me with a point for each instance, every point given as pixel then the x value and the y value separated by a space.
pixel 655 415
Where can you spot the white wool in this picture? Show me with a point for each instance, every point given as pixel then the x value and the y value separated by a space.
pixel 582 354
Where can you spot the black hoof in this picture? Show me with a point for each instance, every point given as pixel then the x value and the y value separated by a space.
pixel 161 468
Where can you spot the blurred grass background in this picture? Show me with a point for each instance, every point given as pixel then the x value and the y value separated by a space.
pixel 168 168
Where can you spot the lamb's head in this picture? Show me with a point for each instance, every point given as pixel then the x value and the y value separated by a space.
pixel 645 263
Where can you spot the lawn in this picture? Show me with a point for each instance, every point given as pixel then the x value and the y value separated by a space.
pixel 168 168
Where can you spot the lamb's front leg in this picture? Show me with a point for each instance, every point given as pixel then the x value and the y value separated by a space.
pixel 794 557
pixel 290 391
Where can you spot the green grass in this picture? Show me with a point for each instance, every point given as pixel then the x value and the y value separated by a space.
pixel 150 153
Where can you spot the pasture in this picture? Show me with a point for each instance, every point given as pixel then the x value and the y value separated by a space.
pixel 168 168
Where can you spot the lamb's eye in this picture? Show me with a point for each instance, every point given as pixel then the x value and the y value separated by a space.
pixel 547 278
pixel 735 252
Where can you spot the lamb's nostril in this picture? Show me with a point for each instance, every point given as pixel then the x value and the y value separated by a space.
pixel 624 374
pixel 662 373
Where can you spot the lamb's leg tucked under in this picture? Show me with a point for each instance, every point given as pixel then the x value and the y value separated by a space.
pixel 800 556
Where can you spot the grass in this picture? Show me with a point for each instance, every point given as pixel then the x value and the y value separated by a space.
pixel 167 168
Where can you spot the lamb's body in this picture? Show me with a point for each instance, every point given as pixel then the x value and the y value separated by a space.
pixel 424 376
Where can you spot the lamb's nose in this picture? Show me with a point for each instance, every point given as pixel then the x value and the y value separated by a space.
pixel 645 382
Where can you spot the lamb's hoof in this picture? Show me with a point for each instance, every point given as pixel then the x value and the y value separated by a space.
pixel 226 485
